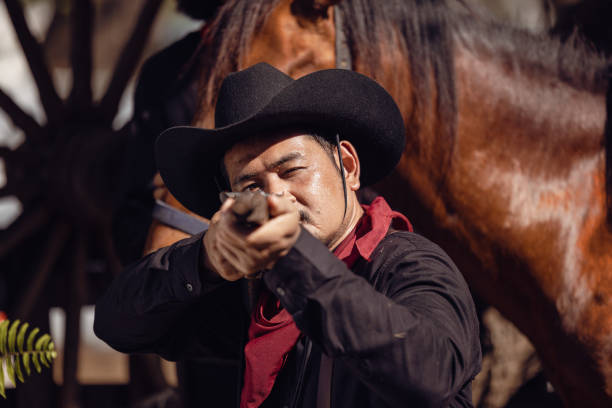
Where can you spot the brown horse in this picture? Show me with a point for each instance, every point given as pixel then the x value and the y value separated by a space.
pixel 504 164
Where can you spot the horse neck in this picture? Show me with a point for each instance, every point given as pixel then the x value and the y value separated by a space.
pixel 528 179
pixel 527 151
pixel 532 128
pixel 546 124
pixel 532 145
pixel 520 207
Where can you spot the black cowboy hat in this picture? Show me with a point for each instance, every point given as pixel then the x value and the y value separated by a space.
pixel 262 99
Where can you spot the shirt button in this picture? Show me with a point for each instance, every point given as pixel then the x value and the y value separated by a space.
pixel 280 291
pixel 189 287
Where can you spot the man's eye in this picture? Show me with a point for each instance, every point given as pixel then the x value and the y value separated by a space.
pixel 292 170
pixel 252 187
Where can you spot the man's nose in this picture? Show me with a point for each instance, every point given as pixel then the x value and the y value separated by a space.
pixel 276 185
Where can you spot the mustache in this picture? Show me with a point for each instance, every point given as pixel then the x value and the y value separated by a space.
pixel 305 217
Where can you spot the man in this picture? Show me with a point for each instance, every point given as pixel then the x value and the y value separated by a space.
pixel 355 310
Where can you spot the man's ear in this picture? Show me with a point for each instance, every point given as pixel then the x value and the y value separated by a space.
pixel 352 167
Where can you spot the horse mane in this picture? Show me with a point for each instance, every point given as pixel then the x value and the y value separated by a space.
pixel 420 32
pixel 225 42
pixel 430 33
pixel 573 61
pixel 430 30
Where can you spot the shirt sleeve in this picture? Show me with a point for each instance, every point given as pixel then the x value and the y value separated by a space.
pixel 412 335
pixel 158 305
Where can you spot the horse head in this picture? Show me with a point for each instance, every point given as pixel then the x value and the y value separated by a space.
pixel 297 38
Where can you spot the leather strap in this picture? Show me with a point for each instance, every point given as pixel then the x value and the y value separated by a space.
pixel 343 52
pixel 324 387
pixel 177 219
pixel 608 147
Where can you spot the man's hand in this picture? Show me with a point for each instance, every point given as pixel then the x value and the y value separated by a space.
pixel 234 252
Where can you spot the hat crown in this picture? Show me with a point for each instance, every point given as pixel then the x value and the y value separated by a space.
pixel 244 93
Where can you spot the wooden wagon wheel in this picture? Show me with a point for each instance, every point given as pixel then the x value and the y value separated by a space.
pixel 65 172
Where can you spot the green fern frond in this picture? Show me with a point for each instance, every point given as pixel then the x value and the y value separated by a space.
pixel 3 332
pixel 14 353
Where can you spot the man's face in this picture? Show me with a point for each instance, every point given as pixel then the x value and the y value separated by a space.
pixel 298 166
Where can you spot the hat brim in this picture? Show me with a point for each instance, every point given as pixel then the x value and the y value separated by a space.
pixel 342 101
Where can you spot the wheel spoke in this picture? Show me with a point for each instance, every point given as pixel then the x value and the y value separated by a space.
pixel 52 250
pixel 76 297
pixel 21 119
pixel 25 226
pixel 81 51
pixel 34 55
pixel 129 58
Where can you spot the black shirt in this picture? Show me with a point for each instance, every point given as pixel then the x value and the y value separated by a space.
pixel 401 329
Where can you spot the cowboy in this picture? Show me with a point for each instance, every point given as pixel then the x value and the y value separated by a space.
pixel 353 308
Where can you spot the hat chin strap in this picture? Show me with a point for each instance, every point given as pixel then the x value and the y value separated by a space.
pixel 342 174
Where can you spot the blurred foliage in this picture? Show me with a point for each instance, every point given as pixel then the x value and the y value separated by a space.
pixel 16 350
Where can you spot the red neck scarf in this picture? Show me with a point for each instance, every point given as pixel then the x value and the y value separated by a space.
pixel 272 333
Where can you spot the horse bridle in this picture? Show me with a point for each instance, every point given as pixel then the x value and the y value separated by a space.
pixel 344 59
pixel 608 148
pixel 189 224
